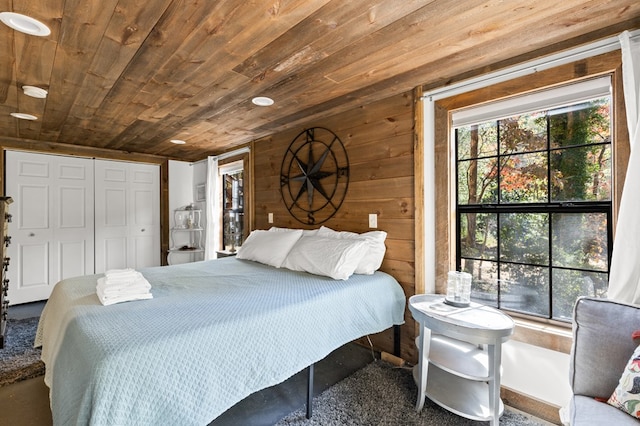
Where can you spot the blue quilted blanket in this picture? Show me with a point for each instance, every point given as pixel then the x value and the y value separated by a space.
pixel 214 332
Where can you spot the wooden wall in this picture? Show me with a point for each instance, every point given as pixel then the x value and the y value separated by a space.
pixel 379 142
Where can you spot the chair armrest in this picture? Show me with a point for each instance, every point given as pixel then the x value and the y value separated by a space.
pixel 602 345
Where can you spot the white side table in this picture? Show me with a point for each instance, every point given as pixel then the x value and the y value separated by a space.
pixel 460 353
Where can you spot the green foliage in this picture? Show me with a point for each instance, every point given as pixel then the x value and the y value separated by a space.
pixel 560 155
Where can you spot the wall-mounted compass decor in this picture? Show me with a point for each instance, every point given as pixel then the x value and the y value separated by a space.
pixel 314 175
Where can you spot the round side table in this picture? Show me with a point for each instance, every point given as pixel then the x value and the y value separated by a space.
pixel 460 353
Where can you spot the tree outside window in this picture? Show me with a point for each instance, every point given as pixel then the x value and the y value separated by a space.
pixel 534 207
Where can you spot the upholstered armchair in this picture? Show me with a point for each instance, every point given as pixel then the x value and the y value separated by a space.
pixel 602 347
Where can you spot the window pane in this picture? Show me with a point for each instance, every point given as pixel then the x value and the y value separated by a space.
pixel 580 241
pixel 568 285
pixel 484 284
pixel 581 174
pixel 477 183
pixel 524 238
pixel 513 177
pixel 523 133
pixel 524 289
pixel 479 235
pixel 585 123
pixel 523 178
pixel 478 140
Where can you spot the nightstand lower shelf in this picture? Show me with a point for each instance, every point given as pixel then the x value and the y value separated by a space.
pixel 465 398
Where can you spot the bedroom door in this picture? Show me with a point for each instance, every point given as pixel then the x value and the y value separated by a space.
pixel 127 215
pixel 52 227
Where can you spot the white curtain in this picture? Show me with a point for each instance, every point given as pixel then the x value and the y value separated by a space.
pixel 624 279
pixel 212 210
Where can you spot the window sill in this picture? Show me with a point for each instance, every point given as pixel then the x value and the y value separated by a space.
pixel 548 336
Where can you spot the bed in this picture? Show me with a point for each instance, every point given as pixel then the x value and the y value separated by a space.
pixel 214 332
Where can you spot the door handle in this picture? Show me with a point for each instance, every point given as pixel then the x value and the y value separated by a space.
pixel 31 234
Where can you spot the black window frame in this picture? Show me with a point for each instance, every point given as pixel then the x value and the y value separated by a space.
pixel 578 207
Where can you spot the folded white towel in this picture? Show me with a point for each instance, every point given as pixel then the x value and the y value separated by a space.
pixel 127 298
pixel 115 273
pixel 136 289
pixel 140 285
pixel 123 283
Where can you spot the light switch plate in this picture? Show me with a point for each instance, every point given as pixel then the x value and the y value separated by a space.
pixel 270 217
pixel 373 220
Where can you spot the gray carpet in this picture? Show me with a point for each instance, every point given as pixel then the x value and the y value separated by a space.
pixel 381 394
pixel 19 360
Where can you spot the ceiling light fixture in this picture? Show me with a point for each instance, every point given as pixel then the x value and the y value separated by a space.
pixel 23 116
pixel 35 92
pixel 24 24
pixel 262 101
pixel 177 141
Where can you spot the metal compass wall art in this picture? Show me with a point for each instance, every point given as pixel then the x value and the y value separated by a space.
pixel 314 175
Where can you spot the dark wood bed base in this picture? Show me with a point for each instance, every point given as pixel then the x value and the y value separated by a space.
pixel 396 352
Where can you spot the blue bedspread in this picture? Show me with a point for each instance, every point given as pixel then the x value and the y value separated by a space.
pixel 214 332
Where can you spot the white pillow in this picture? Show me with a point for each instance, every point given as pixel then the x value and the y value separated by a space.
pixel 329 257
pixel 372 260
pixel 270 248
pixel 305 232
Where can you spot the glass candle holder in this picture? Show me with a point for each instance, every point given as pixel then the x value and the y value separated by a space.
pixel 458 289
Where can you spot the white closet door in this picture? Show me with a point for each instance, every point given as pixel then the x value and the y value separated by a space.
pixel 127 215
pixel 52 227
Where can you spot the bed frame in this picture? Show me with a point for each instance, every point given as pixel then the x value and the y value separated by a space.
pixel 310 370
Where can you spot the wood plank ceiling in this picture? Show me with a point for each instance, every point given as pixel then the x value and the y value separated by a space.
pixel 131 75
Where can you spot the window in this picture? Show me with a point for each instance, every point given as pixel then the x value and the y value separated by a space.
pixel 233 205
pixel 533 198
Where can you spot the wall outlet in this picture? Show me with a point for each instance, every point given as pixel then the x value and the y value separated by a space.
pixel 373 220
pixel 270 217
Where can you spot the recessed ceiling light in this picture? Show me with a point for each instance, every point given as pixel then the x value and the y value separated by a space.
pixel 262 101
pixel 25 24
pixel 177 141
pixel 23 116
pixel 35 92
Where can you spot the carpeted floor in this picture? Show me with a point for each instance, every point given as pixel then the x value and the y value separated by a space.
pixel 19 360
pixel 381 394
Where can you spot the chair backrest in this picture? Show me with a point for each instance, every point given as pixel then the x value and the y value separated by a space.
pixel 602 344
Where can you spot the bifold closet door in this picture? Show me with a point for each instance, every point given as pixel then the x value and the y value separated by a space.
pixel 127 215
pixel 52 227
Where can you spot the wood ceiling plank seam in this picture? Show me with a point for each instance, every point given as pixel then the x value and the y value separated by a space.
pixel 324 33
pixel 187 94
pixel 167 123
pixel 104 66
pixel 203 116
pixel 463 58
pixel 77 46
pixel 558 19
pixel 33 61
pixel 450 13
pixel 224 92
pixel 158 85
pixel 529 33
pixel 33 67
pixel 130 26
pixel 8 69
pixel 126 87
pixel 269 90
pixel 298 38
pixel 201 71
pixel 478 27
